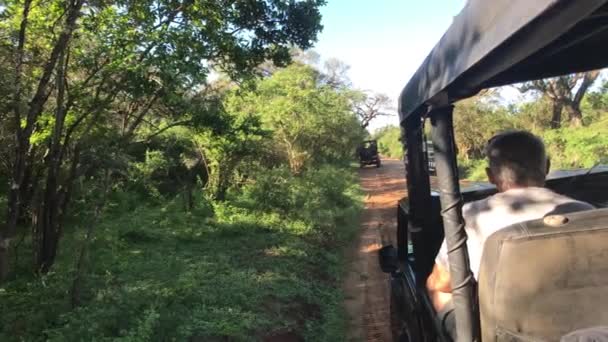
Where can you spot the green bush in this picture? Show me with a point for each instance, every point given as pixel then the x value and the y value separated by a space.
pixel 473 169
pixel 582 147
pixel 568 148
pixel 267 260
pixel 389 143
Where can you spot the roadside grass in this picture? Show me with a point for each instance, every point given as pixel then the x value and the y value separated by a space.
pixel 238 270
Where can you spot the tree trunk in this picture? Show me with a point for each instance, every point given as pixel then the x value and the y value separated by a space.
pixel 56 195
pixel 565 91
pixel 27 191
pixel 575 115
pixel 556 117
pixel 190 183
pixel 222 184
pixel 574 106
pixel 22 146
pixel 224 177
pixel 9 230
pixel 48 223
pixel 189 198
pixel 76 288
pixel 4 256
pixel 50 220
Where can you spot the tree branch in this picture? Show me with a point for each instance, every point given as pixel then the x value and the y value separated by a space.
pixel 140 117
pixel 588 79
pixel 39 100
pixel 174 124
pixel 19 66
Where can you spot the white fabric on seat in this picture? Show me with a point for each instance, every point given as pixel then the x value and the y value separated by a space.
pixel 501 210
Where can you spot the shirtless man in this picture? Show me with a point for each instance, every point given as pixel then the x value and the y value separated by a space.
pixel 517 166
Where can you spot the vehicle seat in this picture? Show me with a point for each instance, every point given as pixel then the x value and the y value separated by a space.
pixel 542 279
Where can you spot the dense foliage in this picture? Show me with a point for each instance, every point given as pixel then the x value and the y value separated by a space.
pixel 569 146
pixel 90 77
pixel 571 143
pixel 144 201
pixel 313 123
pixel 265 262
pixel 389 142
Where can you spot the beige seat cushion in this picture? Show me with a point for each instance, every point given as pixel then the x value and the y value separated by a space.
pixel 540 280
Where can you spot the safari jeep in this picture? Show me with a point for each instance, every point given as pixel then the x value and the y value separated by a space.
pixel 539 280
pixel 368 153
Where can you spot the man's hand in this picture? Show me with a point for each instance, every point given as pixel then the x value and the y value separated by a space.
pixel 439 280
pixel 439 286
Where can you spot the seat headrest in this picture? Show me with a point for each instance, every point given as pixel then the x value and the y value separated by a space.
pixel 541 279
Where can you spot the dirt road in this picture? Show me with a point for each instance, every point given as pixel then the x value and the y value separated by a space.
pixel 366 287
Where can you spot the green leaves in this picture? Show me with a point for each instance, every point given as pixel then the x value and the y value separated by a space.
pixel 239 272
pixel 129 70
pixel 311 123
pixel 477 119
pixel 389 142
pixel 140 114
pixel 582 147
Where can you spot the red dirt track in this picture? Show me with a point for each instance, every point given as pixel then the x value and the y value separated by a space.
pixel 366 287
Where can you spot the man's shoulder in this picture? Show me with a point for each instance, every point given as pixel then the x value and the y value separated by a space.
pixel 570 205
pixel 516 201
pixel 563 203
pixel 475 207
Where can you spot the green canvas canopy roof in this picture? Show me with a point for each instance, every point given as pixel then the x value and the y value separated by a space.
pixel 499 42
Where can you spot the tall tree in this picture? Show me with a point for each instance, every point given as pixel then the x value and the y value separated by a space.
pixel 336 73
pixel 565 93
pixel 371 106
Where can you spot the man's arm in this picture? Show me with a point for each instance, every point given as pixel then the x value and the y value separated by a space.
pixel 438 283
pixel 439 280
pixel 438 286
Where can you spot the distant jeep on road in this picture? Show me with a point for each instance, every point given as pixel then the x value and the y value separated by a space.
pixel 368 153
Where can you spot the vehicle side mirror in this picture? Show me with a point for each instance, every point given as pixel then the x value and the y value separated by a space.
pixel 389 260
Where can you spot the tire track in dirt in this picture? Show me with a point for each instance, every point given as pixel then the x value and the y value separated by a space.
pixel 366 288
